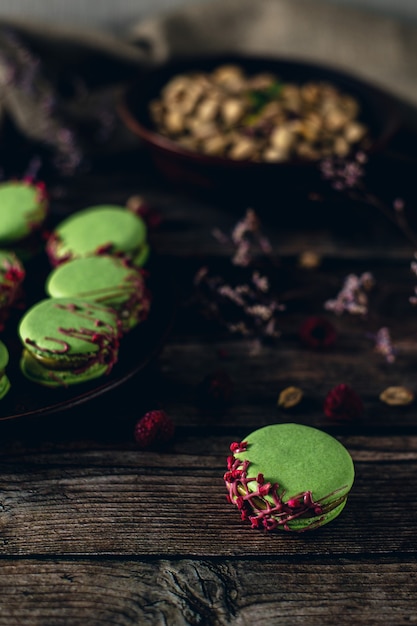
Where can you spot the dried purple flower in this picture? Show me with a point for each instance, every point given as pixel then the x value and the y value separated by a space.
pixel 352 298
pixel 384 345
pixel 413 299
pixel 35 102
pixel 348 176
pixel 344 173
pixel 248 309
pixel 247 239
pixel 245 304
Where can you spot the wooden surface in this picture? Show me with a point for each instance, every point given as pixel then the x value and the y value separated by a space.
pixel 95 531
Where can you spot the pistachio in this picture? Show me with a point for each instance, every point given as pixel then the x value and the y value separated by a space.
pixel 242 148
pixel 274 154
pixel 341 147
pixel 230 76
pixel 397 396
pixel 282 138
pixel 309 260
pixel 354 132
pixel 232 110
pixel 174 122
pixel 261 118
pixel 207 110
pixel 289 397
pixel 215 144
pixel 335 119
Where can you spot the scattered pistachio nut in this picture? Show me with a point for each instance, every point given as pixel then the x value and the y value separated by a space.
pixel 289 397
pixel 397 396
pixel 309 260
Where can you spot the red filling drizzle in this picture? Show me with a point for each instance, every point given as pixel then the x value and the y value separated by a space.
pixel 253 505
pixel 106 338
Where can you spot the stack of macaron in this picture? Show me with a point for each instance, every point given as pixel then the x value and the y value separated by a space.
pixel 97 293
pixel 288 476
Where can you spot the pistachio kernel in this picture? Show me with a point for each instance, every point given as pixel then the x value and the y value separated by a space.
pixel 309 260
pixel 397 396
pixel 289 397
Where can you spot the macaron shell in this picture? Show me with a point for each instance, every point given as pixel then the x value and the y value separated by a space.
pixel 93 228
pixel 57 378
pixel 4 356
pixel 4 386
pixel 22 208
pixel 98 278
pixel 42 325
pixel 142 258
pixel 106 280
pixel 300 458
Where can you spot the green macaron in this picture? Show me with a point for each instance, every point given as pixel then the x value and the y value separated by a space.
pixel 24 208
pixel 68 341
pixel 107 280
pixel 4 360
pixel 101 229
pixel 289 476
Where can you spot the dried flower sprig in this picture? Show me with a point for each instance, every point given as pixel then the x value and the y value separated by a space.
pixel 248 309
pixel 413 299
pixel 353 297
pixel 244 302
pixel 34 102
pixel 247 239
pixel 384 344
pixel 348 176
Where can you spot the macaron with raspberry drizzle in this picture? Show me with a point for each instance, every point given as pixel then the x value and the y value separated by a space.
pixel 68 341
pixel 107 280
pixel 102 229
pixel 289 476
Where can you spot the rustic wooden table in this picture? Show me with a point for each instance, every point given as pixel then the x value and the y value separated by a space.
pixel 95 531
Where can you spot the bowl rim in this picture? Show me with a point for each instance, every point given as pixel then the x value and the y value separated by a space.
pixel 159 74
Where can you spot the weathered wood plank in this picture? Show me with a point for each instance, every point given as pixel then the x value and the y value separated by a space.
pixel 206 592
pixel 131 502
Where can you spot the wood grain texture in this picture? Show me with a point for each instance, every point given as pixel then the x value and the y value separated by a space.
pixel 95 531
pixel 206 592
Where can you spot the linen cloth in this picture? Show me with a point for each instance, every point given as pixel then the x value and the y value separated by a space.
pixel 59 85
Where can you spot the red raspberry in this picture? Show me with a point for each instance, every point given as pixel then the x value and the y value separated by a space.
pixel 317 333
pixel 153 428
pixel 343 403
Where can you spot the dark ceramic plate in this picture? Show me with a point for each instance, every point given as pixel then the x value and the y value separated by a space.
pixel 378 111
pixel 137 349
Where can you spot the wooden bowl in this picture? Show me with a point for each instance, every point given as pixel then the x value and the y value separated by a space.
pixel 191 169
